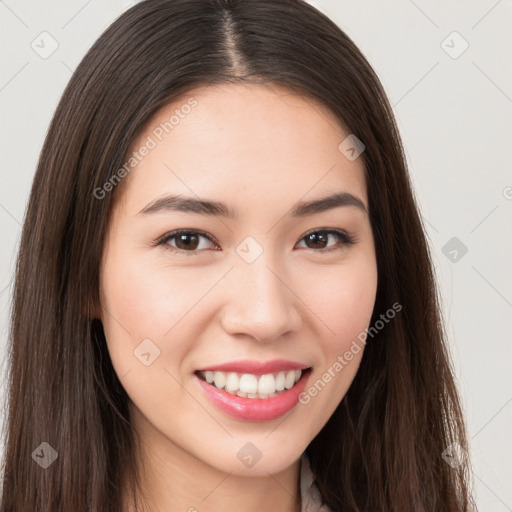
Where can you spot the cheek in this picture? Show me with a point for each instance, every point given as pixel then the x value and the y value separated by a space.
pixel 139 307
pixel 134 308
pixel 344 306
pixel 144 298
pixel 342 299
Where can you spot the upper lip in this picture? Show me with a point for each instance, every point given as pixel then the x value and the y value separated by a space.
pixel 256 367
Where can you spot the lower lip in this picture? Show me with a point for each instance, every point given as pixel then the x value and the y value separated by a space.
pixel 255 409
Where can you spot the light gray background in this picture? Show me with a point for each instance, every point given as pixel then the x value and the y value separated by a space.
pixel 454 113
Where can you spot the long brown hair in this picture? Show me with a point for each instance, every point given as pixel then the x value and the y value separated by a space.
pixel 382 449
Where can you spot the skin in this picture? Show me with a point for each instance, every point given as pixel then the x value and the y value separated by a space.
pixel 260 149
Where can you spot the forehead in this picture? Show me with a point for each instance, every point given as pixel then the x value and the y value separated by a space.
pixel 243 144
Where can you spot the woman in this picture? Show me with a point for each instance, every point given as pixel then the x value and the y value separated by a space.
pixel 230 297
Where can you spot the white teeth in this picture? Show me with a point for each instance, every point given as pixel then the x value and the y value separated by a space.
pixel 219 379
pixel 266 384
pixel 248 385
pixel 232 382
pixel 290 379
pixel 280 381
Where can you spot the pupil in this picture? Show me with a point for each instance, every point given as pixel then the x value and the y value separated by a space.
pixel 183 238
pixel 315 236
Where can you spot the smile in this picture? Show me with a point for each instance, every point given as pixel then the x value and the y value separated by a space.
pixel 249 385
pixel 252 396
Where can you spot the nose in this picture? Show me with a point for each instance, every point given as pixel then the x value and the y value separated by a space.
pixel 260 302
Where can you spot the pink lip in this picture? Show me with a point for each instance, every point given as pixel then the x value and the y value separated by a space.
pixel 255 409
pixel 257 367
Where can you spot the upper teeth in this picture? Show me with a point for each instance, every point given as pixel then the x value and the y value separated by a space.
pixel 251 384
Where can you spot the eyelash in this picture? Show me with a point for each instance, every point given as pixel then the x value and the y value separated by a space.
pixel 345 238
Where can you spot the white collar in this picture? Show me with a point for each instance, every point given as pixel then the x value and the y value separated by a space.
pixel 310 495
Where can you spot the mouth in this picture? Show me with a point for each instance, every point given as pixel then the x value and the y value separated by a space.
pixel 251 385
pixel 253 397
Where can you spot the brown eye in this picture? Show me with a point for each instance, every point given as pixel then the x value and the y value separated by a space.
pixel 189 242
pixel 318 240
pixel 185 241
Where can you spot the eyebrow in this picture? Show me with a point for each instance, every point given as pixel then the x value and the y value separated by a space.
pixel 179 203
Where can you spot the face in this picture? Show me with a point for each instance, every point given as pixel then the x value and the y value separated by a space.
pixel 259 286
